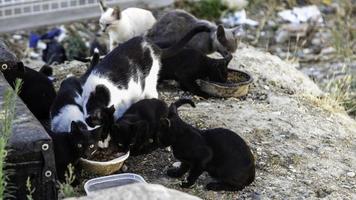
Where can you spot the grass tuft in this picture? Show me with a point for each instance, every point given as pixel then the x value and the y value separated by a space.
pixel 66 189
pixel 6 121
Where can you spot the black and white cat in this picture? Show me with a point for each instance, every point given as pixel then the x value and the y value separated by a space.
pixel 128 74
pixel 170 27
pixel 220 152
pixel 37 91
pixel 67 106
pixel 126 24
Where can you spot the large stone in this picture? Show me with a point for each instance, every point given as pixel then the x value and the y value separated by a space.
pixel 140 191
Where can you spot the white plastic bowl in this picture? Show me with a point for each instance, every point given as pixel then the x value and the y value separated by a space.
pixel 106 182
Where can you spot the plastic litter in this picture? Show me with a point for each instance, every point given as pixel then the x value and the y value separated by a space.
pixel 302 14
pixel 238 18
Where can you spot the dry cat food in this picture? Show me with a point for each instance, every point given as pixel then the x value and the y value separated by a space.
pixel 104 155
pixel 236 77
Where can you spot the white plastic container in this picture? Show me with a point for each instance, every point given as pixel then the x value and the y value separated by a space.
pixel 111 181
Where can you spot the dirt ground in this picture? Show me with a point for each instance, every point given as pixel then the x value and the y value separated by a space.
pixel 304 147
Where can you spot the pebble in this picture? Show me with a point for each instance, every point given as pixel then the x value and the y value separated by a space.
pixel 291 168
pixel 176 164
pixel 124 168
pixel 17 37
pixel 328 50
pixel 256 196
pixel 350 174
pixel 34 55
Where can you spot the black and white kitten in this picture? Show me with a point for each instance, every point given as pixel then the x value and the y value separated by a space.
pixel 67 106
pixel 70 146
pixel 128 74
pixel 37 91
pixel 189 64
pixel 220 152
pixel 137 129
pixel 170 27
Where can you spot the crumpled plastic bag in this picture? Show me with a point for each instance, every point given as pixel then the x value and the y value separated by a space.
pixel 302 14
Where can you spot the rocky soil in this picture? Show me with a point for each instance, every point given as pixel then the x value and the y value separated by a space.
pixel 304 146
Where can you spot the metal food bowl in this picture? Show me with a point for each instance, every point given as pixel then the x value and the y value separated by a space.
pixel 103 167
pixel 237 88
pixel 107 182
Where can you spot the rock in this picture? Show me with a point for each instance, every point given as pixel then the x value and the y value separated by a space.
pixel 176 164
pixel 17 37
pixel 350 174
pixel 274 71
pixel 5 53
pixel 124 168
pixel 328 50
pixel 140 191
pixel 291 30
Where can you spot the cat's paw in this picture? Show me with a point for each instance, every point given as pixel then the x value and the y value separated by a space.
pixel 213 186
pixel 186 184
pixel 174 172
pixel 216 186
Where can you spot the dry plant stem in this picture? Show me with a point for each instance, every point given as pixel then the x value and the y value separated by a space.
pixel 6 121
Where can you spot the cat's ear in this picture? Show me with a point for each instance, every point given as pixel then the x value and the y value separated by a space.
pixel 238 31
pixel 165 123
pixel 102 4
pixel 102 93
pixel 221 36
pixel 111 110
pixel 20 67
pixel 117 12
pixel 74 128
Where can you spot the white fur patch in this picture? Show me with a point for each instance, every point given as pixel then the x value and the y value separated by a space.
pixel 152 78
pixel 67 114
pixel 105 143
pixel 122 99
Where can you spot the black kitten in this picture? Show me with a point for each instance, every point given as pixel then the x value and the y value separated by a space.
pixel 189 65
pixel 137 129
pixel 54 52
pixel 37 91
pixel 220 152
pixel 69 147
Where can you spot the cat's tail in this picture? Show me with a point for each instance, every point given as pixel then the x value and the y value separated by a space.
pixel 174 106
pixel 171 51
pixel 94 60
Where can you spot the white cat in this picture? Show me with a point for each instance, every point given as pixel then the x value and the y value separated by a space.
pixel 124 25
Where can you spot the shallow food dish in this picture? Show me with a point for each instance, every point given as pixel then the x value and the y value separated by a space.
pixel 237 85
pixel 116 180
pixel 104 167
